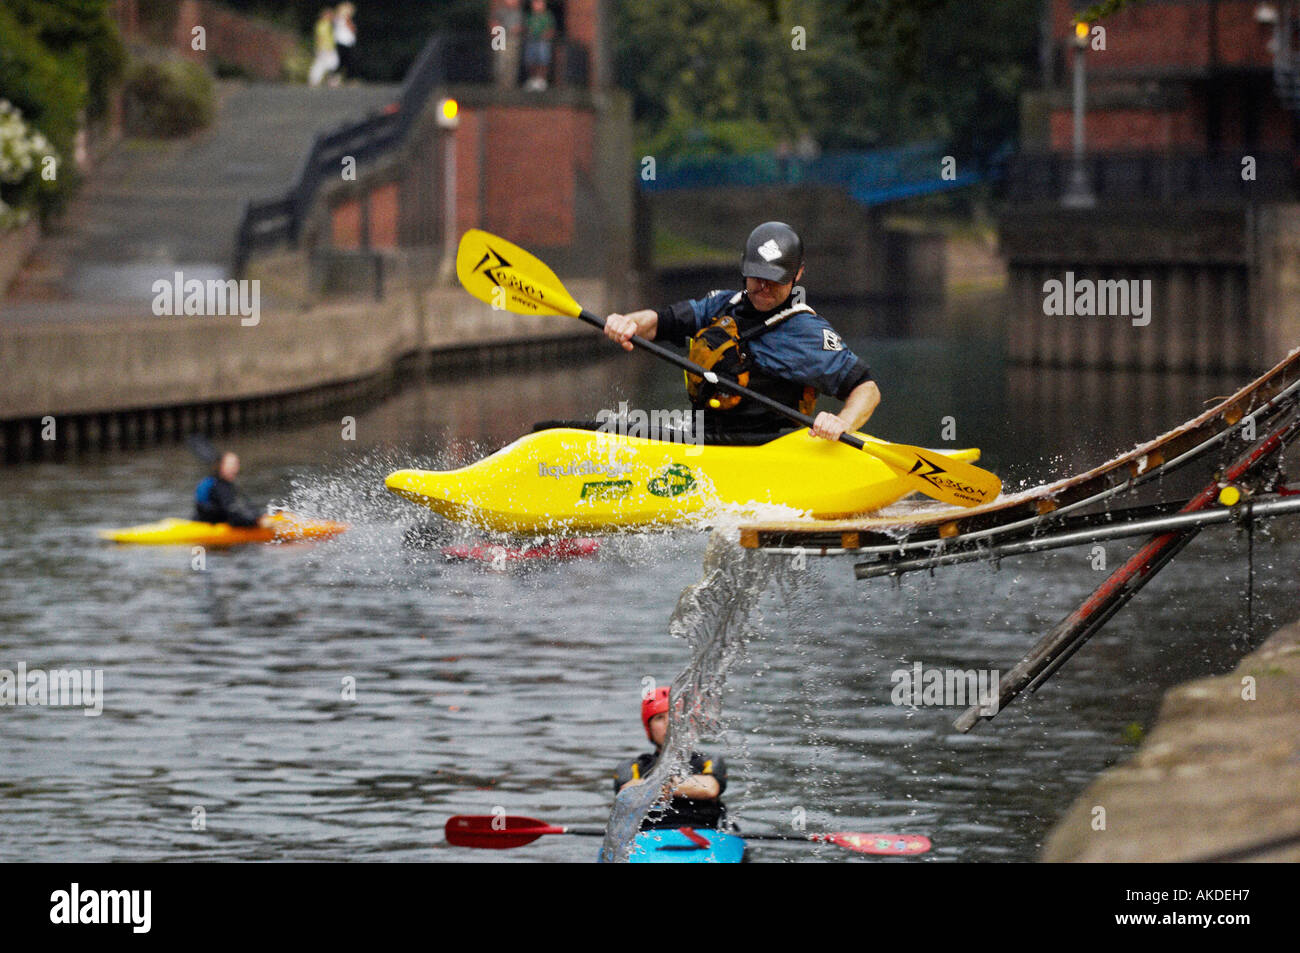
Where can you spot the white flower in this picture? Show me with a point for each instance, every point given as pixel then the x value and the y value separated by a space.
pixel 21 147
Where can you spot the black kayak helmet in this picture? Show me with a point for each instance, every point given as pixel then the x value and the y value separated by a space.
pixel 773 252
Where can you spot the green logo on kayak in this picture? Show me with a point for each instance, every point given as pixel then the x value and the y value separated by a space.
pixel 673 481
pixel 605 489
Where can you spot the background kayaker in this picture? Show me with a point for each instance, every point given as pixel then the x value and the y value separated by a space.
pixel 790 361
pixel 217 500
pixel 697 799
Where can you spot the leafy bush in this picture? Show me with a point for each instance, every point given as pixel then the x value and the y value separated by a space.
pixel 684 136
pixel 23 155
pixel 167 98
pixel 59 62
pixel 39 83
pixel 80 36
pixel 297 64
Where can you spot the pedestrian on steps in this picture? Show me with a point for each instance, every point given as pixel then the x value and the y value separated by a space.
pixel 327 57
pixel 345 39
pixel 539 27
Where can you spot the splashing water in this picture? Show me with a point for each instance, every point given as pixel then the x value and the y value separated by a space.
pixel 715 616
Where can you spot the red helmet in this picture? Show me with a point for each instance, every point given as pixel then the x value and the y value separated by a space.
pixel 653 704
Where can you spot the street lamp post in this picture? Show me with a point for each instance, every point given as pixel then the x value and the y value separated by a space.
pixel 448 121
pixel 1079 193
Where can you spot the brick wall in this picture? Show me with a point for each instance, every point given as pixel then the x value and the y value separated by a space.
pixel 548 171
pixel 532 159
pixel 345 224
pixel 519 170
pixel 1167 33
pixel 1122 130
pixel 469 214
pixel 383 216
pixel 257 47
pixel 1175 74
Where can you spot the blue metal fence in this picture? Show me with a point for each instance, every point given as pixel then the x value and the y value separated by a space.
pixel 871 177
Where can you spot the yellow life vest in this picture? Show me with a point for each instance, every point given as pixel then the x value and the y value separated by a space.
pixel 720 347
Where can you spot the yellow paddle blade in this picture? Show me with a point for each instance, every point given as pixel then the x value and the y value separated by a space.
pixel 508 278
pixel 941 477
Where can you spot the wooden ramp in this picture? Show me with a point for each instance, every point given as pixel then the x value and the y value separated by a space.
pixel 932 530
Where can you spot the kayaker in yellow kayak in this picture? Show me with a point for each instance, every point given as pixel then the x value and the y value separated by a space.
pixel 766 341
pixel 217 500
pixel 696 799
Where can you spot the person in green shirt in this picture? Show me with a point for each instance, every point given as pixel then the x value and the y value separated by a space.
pixel 539 31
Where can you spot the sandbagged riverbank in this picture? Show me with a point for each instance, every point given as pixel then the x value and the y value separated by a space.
pixel 1218 773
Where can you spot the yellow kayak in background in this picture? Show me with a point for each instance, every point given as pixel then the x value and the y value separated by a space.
pixel 284 528
pixel 566 479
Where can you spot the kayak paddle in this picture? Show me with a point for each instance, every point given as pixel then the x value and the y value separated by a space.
pixel 507 277
pixel 499 832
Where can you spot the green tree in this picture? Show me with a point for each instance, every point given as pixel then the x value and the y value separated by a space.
pixel 82 36
pixel 58 61
pixel 870 72
pixel 701 71
pixel 957 68
pixel 1100 11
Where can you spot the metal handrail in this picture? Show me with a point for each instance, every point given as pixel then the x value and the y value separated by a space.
pixel 445 58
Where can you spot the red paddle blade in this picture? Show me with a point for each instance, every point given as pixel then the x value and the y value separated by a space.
pixel 495 831
pixel 896 845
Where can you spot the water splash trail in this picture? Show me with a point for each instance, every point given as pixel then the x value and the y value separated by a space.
pixel 714 615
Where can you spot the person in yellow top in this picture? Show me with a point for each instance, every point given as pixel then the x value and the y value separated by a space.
pixel 327 55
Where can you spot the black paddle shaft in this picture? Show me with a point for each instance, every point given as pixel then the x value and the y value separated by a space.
pixel 725 383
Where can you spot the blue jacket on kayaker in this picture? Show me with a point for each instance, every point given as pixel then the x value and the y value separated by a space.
pixel 766 340
pixel 697 799
pixel 217 500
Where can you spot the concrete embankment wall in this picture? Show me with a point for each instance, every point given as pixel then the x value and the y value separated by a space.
pixel 1222 279
pixel 1219 773
pixel 134 380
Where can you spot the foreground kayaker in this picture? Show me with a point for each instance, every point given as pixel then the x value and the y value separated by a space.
pixel 696 799
pixel 217 500
pixel 763 339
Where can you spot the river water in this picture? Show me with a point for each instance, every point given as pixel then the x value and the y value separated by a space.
pixel 228 731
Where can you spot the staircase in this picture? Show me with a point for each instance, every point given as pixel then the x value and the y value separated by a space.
pixel 152 207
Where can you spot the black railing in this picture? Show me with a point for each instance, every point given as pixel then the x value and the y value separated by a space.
pixel 1238 175
pixel 445 59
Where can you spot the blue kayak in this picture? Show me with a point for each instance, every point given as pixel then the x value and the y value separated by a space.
pixel 687 846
